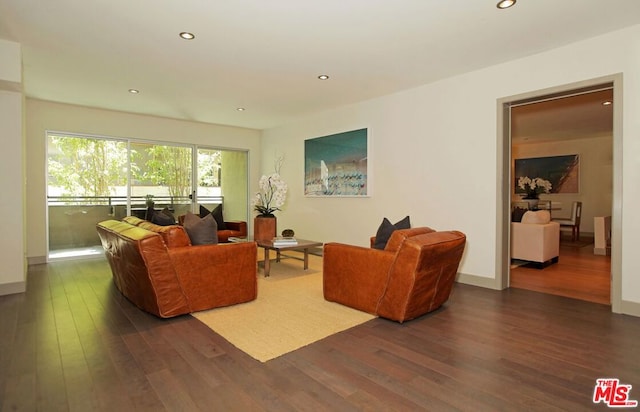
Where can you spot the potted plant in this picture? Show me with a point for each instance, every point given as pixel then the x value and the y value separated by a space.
pixel 268 199
pixel 533 188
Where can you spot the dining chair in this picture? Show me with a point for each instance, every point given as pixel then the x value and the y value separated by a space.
pixel 573 221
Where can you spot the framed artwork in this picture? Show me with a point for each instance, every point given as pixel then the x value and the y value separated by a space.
pixel 562 171
pixel 337 165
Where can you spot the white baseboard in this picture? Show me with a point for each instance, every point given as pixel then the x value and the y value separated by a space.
pixel 474 280
pixel 602 251
pixel 630 308
pixel 11 288
pixel 36 260
pixel 626 307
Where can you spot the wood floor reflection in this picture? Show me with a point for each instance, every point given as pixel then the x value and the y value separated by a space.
pixel 72 342
pixel 579 274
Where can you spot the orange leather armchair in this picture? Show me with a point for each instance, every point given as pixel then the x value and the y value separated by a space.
pixel 412 276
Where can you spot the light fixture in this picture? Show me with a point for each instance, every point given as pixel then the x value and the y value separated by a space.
pixel 240 109
pixel 187 36
pixel 134 91
pixel 323 77
pixel 607 103
pixel 505 4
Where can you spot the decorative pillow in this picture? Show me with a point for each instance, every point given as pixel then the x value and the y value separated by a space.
pixel 167 212
pixel 201 231
pixel 217 215
pixel 404 223
pixel 162 218
pixel 204 211
pixel 518 212
pixel 148 215
pixel 539 217
pixel 386 228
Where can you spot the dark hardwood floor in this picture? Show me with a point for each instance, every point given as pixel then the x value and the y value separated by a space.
pixel 72 342
pixel 578 274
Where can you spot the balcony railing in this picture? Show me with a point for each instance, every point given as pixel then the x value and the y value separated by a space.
pixel 122 200
pixel 72 219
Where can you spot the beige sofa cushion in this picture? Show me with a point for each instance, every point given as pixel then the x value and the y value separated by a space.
pixel 539 217
pixel 535 242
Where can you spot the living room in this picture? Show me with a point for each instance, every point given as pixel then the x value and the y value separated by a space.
pixel 435 152
pixel 414 136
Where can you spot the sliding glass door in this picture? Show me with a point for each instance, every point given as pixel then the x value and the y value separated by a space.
pixel 91 179
pixel 223 179
pixel 161 175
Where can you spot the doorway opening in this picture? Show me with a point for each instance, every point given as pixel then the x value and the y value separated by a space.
pixel 600 156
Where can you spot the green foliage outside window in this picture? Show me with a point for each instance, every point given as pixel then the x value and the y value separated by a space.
pixel 87 167
pixel 209 168
pixel 95 167
pixel 168 166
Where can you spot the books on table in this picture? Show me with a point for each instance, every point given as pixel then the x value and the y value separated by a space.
pixel 284 241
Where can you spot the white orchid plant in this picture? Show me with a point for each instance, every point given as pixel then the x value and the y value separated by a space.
pixel 534 187
pixel 272 193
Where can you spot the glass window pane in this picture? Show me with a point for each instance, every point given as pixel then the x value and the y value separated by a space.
pixel 161 174
pixel 223 178
pixel 86 181
pixel 92 179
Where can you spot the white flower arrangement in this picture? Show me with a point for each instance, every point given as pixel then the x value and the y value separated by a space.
pixel 271 196
pixel 534 187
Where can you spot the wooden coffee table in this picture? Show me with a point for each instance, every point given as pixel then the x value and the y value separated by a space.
pixel 303 245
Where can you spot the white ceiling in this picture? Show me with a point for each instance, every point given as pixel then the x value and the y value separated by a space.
pixel 265 56
pixel 564 118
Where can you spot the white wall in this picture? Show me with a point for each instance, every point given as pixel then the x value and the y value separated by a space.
pixel 596 175
pixel 43 116
pixel 10 64
pixel 12 256
pixel 434 153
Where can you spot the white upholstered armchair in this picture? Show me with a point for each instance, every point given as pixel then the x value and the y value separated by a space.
pixel 536 238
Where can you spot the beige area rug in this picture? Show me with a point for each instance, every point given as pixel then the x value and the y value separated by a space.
pixel 289 313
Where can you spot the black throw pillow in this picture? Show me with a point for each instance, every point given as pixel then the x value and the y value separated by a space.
pixel 163 218
pixel 149 214
pixel 217 215
pixel 386 229
pixel 516 215
pixel 167 212
pixel 404 223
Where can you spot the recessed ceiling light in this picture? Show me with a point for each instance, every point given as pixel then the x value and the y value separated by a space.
pixel 240 109
pixel 505 4
pixel 187 36
pixel 134 91
pixel 607 103
pixel 323 77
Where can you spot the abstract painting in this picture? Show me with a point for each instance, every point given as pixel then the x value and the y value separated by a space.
pixel 562 171
pixel 336 165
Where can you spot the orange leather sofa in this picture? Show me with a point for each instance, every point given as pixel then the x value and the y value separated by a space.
pixel 412 276
pixel 235 228
pixel 159 271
